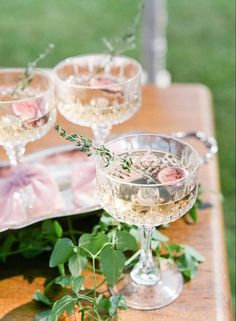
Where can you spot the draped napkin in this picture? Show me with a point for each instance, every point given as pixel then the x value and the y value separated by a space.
pixel 83 183
pixel 28 191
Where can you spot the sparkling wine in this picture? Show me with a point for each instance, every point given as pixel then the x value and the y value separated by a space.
pixel 133 198
pixel 96 106
pixel 23 120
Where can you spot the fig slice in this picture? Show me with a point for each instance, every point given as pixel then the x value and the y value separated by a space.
pixel 171 174
pixel 100 81
pixel 105 81
pixel 26 109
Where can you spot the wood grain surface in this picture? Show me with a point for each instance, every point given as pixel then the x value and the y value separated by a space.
pixel 206 298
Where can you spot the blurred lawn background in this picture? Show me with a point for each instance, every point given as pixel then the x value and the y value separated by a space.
pixel 201 50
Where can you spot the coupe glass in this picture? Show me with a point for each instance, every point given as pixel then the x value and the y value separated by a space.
pixel 98 91
pixel 25 115
pixel 161 189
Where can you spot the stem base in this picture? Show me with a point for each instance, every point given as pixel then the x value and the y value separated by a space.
pixel 150 297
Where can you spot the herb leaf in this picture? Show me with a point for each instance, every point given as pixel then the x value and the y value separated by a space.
pixel 62 251
pixel 52 230
pixel 28 74
pixel 66 303
pixel 117 302
pixel 6 246
pixel 76 264
pixel 127 41
pixel 194 253
pixel 187 265
pixel 92 244
pixel 64 280
pixel 125 241
pixel 112 263
pixel 77 283
pixel 86 145
pixel 40 297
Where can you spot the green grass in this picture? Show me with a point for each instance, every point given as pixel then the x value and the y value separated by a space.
pixel 201 49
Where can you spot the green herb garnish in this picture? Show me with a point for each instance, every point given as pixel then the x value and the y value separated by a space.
pixel 28 74
pixel 86 146
pixel 118 45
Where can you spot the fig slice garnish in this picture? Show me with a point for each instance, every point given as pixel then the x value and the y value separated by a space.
pixel 171 174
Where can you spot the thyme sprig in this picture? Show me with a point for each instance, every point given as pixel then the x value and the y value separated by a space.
pixel 118 45
pixel 127 41
pixel 28 74
pixel 86 146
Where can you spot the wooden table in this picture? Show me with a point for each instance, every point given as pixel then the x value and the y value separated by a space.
pixel 206 298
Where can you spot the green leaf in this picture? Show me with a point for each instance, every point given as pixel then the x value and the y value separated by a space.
pixel 63 281
pixel 103 305
pixel 92 243
pixel 112 263
pixel 187 265
pixel 117 302
pixel 193 213
pixel 31 242
pixel 40 297
pixel 77 283
pixel 70 281
pixel 135 233
pixel 58 229
pixel 125 241
pixel 77 263
pixel 194 253
pixel 108 220
pixel 63 250
pixel 51 230
pixel 66 303
pixel 173 248
pixel 157 239
pixel 6 246
pixel 43 316
pixel 158 236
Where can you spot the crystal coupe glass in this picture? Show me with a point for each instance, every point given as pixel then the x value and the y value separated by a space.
pixel 25 115
pixel 161 188
pixel 98 91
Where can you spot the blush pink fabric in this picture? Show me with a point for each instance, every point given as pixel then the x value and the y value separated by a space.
pixel 46 195
pixel 84 183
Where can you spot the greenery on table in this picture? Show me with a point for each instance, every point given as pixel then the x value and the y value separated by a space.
pixel 31 241
pixel 200 49
pixel 110 244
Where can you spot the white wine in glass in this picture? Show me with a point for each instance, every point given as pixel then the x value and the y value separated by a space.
pixel 98 91
pixel 161 188
pixel 25 115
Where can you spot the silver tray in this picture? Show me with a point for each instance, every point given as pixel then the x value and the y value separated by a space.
pixel 61 162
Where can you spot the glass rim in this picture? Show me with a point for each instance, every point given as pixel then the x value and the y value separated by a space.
pixel 38 71
pixel 68 60
pixel 116 179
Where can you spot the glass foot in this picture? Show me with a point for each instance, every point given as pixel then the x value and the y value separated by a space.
pixel 149 297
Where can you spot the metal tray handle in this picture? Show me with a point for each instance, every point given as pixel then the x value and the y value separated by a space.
pixel 208 141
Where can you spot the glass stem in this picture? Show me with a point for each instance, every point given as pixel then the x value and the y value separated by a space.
pixel 146 271
pixel 101 132
pixel 15 154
